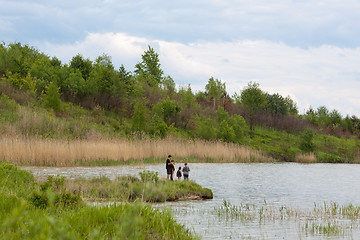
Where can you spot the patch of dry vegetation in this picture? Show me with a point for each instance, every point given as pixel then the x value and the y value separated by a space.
pixel 46 152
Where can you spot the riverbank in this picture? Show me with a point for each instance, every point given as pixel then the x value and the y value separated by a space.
pixel 49 211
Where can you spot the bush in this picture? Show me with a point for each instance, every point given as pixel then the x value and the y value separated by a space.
pixel 306 143
pixel 149 176
pixel 329 158
pixel 53 193
pixel 52 97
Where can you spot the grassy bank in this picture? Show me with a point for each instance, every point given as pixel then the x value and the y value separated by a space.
pixel 63 216
pixel 148 188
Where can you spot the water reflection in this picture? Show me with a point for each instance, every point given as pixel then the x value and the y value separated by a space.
pixel 295 185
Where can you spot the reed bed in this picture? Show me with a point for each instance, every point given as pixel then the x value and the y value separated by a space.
pixel 57 152
pixel 331 219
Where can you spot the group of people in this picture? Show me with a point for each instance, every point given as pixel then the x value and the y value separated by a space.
pixel 170 169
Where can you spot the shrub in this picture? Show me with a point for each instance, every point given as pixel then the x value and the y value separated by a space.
pixel 329 158
pixel 149 176
pixel 306 143
pixel 52 97
pixel 53 193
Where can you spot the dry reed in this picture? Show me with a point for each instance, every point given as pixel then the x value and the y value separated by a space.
pixel 306 158
pixel 45 152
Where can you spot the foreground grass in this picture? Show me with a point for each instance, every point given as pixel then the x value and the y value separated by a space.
pixel 23 218
pixel 148 188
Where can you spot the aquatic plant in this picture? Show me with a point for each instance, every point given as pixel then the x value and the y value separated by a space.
pixel 323 219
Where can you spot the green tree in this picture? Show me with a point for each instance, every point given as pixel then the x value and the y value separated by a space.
pixel 215 90
pixel 158 127
pixel 52 97
pixel 291 106
pixel 238 123
pixel 226 132
pixel 323 116
pixel 306 143
pixel 253 99
pixel 166 109
pixel 138 120
pixel 81 64
pixel 150 65
pixel 205 129
pixel 276 104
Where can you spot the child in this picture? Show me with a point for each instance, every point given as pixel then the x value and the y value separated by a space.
pixel 186 171
pixel 178 174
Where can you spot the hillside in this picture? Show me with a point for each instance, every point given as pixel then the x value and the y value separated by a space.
pixel 43 99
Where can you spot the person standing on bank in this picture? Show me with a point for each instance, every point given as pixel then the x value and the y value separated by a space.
pixel 172 164
pixel 168 166
pixel 186 171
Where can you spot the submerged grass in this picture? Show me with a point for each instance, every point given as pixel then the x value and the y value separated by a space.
pixel 329 219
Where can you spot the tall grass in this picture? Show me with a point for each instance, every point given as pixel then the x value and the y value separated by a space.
pixel 49 152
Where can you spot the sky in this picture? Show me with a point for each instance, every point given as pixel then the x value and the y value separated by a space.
pixel 306 49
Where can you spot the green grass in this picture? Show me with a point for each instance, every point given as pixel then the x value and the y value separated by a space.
pixel 148 188
pixel 22 219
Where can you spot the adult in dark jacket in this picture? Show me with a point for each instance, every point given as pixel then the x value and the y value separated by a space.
pixel 168 166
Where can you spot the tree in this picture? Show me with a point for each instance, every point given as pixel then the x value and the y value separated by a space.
pixel 83 65
pixel 306 143
pixel 150 65
pixel 52 97
pixel 276 104
pixel 138 119
pixel 215 90
pixel 253 99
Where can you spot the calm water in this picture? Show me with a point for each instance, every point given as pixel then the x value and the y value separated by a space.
pixel 298 186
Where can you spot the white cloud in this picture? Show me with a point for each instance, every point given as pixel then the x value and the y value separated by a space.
pixel 325 75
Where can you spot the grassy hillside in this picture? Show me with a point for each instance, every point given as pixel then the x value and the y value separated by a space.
pixel 87 112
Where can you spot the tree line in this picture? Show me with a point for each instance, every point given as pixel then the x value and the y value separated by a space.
pixel 148 102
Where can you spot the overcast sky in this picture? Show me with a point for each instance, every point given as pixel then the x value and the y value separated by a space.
pixel 309 50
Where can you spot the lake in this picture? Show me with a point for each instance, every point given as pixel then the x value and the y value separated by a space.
pixel 299 188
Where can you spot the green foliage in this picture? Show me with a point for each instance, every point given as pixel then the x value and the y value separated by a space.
pixel 8 109
pixel 26 83
pixel 53 193
pixel 52 97
pixel 254 99
pixel 138 119
pixel 306 143
pixel 16 181
pixel 328 158
pixel 150 67
pixel 226 132
pixel 166 109
pixel 215 90
pixel 205 129
pixel 158 127
pixel 149 176
pixel 84 66
pixel 276 104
